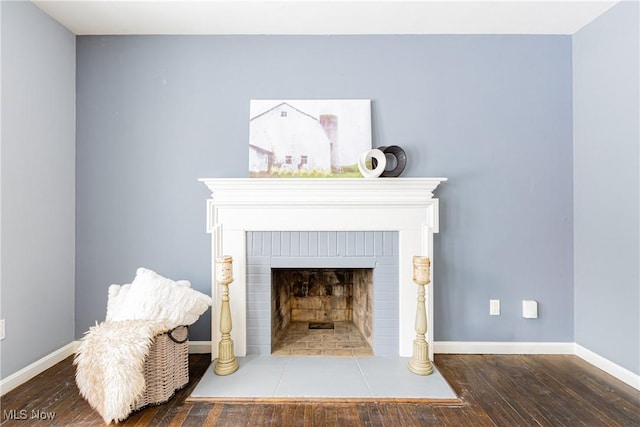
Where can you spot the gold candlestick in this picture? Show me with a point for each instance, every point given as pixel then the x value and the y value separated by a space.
pixel 226 363
pixel 420 363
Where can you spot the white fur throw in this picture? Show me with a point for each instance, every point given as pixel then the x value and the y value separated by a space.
pixel 153 297
pixel 110 365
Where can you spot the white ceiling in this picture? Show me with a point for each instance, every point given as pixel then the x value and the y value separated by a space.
pixel 84 17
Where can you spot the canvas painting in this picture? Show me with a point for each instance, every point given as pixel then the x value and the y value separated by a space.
pixel 308 138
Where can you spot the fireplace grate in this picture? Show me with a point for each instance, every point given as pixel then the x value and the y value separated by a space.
pixel 320 325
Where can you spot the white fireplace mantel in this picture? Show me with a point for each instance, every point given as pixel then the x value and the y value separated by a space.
pixel 405 205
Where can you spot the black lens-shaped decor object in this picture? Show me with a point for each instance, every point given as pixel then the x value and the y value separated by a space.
pixel 400 160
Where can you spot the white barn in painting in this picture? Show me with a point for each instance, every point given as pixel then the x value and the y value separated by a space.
pixel 289 139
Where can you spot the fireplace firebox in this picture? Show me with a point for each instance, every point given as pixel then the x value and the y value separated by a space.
pixel 322 312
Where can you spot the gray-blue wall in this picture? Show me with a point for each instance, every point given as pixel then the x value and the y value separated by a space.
pixel 37 185
pixel 491 113
pixel 607 185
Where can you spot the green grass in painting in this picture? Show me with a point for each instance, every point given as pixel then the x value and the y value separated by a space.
pixel 350 171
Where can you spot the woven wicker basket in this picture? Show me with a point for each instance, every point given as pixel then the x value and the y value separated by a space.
pixel 166 368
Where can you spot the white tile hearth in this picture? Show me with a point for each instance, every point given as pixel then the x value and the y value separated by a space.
pixel 274 377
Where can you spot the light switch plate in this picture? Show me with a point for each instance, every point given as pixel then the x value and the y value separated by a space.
pixel 1 329
pixel 494 307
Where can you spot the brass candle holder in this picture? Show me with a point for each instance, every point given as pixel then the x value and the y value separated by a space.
pixel 420 363
pixel 226 363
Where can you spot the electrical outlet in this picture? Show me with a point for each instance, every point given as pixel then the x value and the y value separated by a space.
pixel 529 309
pixel 494 307
pixel 2 329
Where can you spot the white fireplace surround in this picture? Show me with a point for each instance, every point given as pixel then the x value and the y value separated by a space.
pixel 405 205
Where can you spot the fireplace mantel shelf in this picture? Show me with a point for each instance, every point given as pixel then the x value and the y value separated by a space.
pixel 318 191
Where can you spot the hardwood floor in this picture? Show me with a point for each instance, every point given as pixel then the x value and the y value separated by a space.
pixel 495 390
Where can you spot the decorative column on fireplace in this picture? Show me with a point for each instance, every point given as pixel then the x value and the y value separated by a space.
pixel 420 363
pixel 227 363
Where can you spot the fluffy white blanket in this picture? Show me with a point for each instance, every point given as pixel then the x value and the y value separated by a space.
pixel 110 365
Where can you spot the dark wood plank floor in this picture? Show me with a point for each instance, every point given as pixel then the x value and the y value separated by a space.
pixel 495 390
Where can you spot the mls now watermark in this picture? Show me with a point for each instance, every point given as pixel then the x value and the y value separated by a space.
pixel 23 414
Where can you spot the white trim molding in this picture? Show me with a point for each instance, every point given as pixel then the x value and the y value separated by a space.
pixel 199 347
pixel 25 374
pixel 608 366
pixel 482 347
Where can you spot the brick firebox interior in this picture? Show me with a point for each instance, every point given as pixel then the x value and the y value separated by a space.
pixel 322 312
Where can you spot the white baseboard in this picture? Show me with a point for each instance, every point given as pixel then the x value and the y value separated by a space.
pixel 25 374
pixel 481 347
pixel 608 366
pixel 199 347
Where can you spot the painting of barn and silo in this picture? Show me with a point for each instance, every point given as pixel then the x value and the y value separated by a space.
pixel 308 138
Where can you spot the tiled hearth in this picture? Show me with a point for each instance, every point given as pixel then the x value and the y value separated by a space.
pixel 307 378
pixel 343 340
